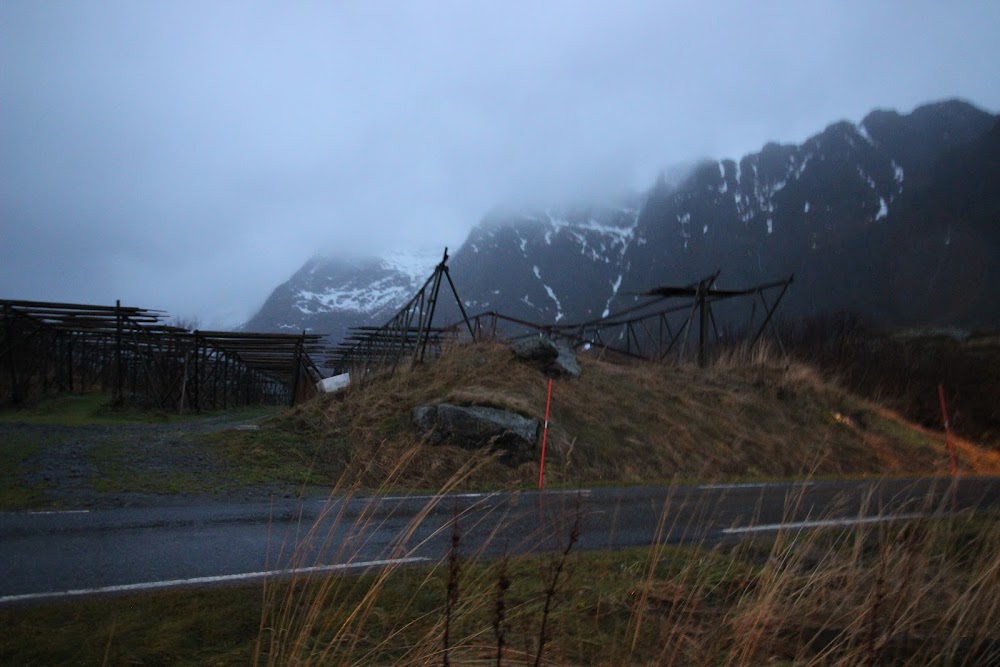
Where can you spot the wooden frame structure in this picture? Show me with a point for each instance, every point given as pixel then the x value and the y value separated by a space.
pixel 130 353
pixel 656 328
pixel 405 338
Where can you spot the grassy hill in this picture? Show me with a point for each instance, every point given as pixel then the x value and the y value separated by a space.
pixel 749 416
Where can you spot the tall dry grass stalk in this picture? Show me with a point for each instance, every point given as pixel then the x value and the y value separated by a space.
pixel 296 610
pixel 884 593
pixel 745 354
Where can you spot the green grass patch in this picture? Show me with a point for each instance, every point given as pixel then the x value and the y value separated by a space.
pixel 79 410
pixel 919 440
pixel 124 467
pixel 175 628
pixel 97 410
pixel 278 453
pixel 217 461
pixel 17 450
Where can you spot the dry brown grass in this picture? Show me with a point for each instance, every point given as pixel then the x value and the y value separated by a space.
pixel 903 369
pixel 752 414
pixel 323 621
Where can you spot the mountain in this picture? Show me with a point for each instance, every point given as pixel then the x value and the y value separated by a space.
pixel 894 217
pixel 548 266
pixel 330 295
pixel 948 234
pixel 838 211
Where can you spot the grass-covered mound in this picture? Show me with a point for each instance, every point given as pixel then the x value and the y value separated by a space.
pixel 746 417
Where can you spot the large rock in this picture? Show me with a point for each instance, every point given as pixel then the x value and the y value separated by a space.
pixel 473 427
pixel 566 364
pixel 535 348
pixel 556 359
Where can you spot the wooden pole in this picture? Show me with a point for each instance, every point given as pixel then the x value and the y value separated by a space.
pixel 545 435
pixel 702 325
pixel 432 304
pixel 947 432
pixel 117 398
pixel 196 379
pixel 11 362
pixel 297 369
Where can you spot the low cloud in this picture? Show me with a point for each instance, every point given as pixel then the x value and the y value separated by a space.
pixel 190 157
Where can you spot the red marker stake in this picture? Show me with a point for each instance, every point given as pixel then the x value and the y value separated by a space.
pixel 545 434
pixel 947 431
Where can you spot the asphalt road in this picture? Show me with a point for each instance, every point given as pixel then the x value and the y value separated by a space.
pixel 53 555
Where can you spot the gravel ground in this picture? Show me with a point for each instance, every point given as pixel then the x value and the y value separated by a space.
pixel 82 467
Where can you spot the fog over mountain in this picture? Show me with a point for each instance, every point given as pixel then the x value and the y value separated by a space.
pixel 894 218
pixel 191 156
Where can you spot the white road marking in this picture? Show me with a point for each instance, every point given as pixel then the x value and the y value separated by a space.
pixel 754 485
pixel 584 492
pixel 442 497
pixel 58 512
pixel 821 523
pixel 153 585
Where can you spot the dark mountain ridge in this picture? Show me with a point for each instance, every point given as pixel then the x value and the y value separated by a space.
pixel 894 218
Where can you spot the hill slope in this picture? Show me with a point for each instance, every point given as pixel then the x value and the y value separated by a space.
pixel 615 424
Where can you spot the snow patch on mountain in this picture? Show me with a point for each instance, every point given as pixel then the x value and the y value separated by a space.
pixel 614 292
pixel 363 299
pixel 797 173
pixel 552 295
pixel 883 209
pixel 416 265
pixel 863 131
pixel 866 178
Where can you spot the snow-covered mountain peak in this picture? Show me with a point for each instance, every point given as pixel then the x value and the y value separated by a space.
pixel 330 294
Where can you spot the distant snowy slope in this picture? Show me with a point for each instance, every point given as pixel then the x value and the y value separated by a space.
pixel 369 287
pixel 328 295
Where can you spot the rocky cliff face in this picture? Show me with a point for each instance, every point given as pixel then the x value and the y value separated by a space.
pixel 547 266
pixel 838 211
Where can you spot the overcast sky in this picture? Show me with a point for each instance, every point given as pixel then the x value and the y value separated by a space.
pixel 190 156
